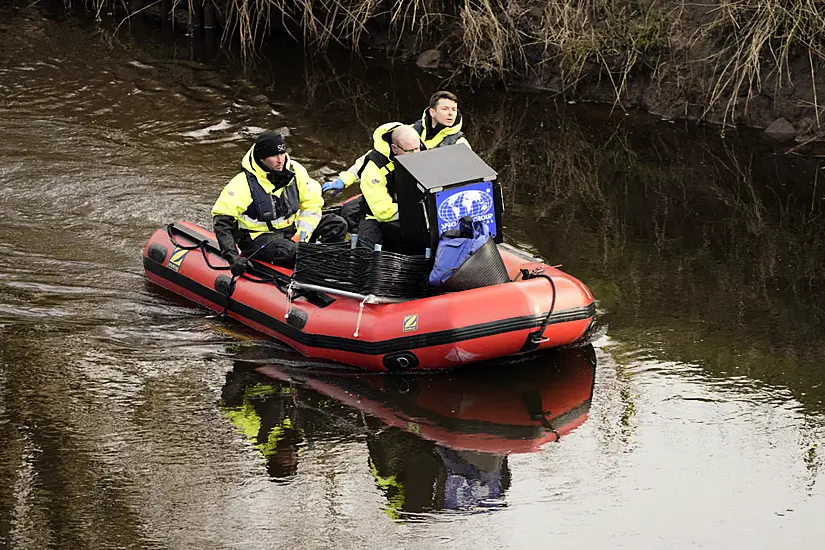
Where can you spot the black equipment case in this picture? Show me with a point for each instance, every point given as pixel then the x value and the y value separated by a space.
pixel 435 188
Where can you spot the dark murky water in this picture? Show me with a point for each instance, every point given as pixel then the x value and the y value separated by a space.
pixel 129 419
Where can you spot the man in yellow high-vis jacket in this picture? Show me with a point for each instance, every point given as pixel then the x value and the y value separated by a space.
pixel 439 126
pixel 270 206
pixel 379 203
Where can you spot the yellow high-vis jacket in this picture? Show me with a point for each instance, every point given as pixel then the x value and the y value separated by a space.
pixel 446 135
pixel 378 176
pixel 260 207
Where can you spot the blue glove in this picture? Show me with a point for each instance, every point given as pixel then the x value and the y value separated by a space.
pixel 334 187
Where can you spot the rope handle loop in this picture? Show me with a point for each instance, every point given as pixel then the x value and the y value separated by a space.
pixel 290 289
pixel 360 313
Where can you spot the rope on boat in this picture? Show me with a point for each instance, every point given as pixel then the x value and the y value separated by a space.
pixel 289 293
pixel 360 312
pixel 536 338
pixel 255 273
pixel 201 245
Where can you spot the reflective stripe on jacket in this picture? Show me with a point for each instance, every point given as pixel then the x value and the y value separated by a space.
pixel 378 176
pixel 299 202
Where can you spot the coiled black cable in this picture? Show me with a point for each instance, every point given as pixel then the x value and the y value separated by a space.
pixel 397 275
pixel 333 265
pixel 362 271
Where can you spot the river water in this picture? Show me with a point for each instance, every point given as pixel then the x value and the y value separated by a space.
pixel 129 418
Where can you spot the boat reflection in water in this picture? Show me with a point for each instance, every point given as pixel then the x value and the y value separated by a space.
pixel 436 441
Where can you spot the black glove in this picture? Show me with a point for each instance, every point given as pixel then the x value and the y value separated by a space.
pixel 237 265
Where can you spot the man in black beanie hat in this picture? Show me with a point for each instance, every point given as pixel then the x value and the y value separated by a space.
pixel 271 206
pixel 269 144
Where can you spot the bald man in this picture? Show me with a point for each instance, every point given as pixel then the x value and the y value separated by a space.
pixel 380 226
pixel 439 126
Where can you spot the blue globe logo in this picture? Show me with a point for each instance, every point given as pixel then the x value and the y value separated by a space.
pixel 473 203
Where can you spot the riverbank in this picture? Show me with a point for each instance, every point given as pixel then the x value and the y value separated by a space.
pixel 726 62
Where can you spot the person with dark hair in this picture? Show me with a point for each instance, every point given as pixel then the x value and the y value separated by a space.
pixel 269 207
pixel 440 125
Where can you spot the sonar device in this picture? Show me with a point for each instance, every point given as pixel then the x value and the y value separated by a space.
pixel 437 187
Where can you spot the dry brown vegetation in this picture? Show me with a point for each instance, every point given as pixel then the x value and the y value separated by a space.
pixel 716 59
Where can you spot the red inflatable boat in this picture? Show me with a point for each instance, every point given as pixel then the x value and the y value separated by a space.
pixel 542 308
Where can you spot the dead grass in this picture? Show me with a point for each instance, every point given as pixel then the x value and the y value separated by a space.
pixel 718 54
pixel 758 41
pixel 491 41
pixel 610 38
pixel 319 22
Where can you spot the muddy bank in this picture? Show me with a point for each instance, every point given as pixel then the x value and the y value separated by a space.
pixel 722 61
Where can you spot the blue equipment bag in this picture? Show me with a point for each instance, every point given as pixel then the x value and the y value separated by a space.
pixel 455 247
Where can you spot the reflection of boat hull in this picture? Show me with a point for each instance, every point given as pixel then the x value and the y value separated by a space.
pixel 435 332
pixel 487 410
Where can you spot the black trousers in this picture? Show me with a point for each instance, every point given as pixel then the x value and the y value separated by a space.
pixel 388 235
pixel 354 211
pixel 277 248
